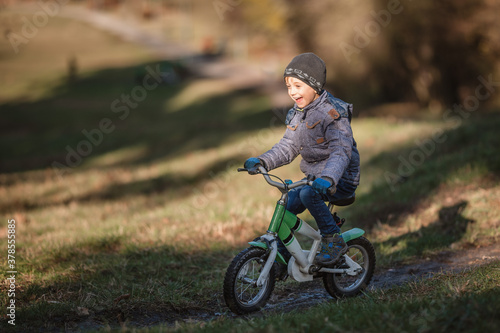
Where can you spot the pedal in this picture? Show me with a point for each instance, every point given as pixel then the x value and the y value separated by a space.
pixel 338 221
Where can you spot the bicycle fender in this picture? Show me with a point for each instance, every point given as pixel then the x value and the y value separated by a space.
pixel 279 257
pixel 351 234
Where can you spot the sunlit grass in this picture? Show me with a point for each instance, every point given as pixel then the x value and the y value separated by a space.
pixel 54 45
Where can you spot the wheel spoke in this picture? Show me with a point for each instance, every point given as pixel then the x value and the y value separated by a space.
pixel 247 289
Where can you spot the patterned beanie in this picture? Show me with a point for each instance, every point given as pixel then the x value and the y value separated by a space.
pixel 308 68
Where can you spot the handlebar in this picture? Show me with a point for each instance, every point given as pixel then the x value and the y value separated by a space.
pixel 261 170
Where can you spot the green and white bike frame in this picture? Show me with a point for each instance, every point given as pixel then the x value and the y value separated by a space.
pixel 284 225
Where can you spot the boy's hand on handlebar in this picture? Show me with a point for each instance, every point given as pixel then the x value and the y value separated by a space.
pixel 252 162
pixel 252 165
pixel 323 186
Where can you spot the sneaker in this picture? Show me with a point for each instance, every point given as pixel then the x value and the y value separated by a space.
pixel 332 248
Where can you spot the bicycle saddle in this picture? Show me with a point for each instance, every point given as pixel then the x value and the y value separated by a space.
pixel 344 202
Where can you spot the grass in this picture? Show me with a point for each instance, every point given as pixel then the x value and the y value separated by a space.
pixel 27 78
pixel 147 223
pixel 446 302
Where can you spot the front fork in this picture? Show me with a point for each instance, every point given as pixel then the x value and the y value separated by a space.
pixel 272 245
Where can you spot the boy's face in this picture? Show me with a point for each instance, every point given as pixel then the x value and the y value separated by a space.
pixel 301 93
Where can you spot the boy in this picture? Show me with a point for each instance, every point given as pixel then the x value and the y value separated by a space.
pixel 318 129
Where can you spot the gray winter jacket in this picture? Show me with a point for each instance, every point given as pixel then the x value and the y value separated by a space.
pixel 321 133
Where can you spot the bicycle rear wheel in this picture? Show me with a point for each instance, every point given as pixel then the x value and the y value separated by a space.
pixel 343 285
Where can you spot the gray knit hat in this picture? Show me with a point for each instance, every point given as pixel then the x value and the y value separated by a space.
pixel 308 68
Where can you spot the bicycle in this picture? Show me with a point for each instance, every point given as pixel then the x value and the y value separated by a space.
pixel 252 274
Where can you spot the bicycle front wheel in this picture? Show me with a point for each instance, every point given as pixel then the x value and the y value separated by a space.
pixel 241 293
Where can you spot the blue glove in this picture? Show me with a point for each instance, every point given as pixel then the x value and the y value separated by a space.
pixel 321 185
pixel 251 163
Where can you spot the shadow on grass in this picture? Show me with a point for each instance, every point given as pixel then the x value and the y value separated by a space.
pixel 449 228
pixel 52 133
pixel 37 134
pixel 468 153
pixel 146 187
pixel 163 183
pixel 110 281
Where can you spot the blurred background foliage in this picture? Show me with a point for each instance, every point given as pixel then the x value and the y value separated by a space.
pixel 429 53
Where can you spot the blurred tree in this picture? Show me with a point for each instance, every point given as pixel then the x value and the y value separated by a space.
pixel 437 49
pixel 429 52
pixel 300 23
pixel 260 19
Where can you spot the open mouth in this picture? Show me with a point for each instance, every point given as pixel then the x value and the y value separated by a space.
pixel 299 99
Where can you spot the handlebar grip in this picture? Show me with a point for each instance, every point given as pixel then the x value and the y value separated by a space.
pixel 251 171
pixel 311 177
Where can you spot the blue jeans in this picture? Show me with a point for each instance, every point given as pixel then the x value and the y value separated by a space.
pixel 305 197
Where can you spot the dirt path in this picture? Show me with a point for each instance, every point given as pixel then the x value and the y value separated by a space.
pixel 446 261
pixel 127 29
pixel 309 294
pixel 294 296
pixel 233 73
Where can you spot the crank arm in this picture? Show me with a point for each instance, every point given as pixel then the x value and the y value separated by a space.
pixel 333 270
pixel 340 271
pixel 354 268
